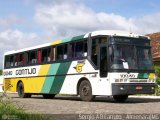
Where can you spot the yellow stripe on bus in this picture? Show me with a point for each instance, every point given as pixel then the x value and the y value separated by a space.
pixel 35 84
pixel 43 72
pixel 31 84
pixel 56 42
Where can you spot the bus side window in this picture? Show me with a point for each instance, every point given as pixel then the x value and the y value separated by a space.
pixel 23 59
pixel 79 49
pixel 39 55
pixel 9 61
pixel 26 58
pixel 20 59
pixel 52 54
pixel 44 55
pixel 71 50
pixel 61 52
pixel 65 56
pixel 48 54
pixel 32 57
pixel 12 60
pixel 16 59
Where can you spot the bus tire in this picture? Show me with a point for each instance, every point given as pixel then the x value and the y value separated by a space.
pixel 48 96
pixel 85 91
pixel 120 98
pixel 20 90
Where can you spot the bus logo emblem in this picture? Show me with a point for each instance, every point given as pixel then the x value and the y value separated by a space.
pixel 79 67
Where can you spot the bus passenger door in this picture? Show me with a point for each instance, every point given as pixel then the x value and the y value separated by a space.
pixel 103 60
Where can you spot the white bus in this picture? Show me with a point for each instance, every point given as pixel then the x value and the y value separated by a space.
pixel 112 63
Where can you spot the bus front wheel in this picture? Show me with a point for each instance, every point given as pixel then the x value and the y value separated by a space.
pixel 20 90
pixel 85 91
pixel 120 98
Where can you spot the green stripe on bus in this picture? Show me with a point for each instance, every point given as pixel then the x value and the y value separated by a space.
pixel 66 40
pixel 143 75
pixel 49 80
pixel 77 37
pixel 73 38
pixel 59 79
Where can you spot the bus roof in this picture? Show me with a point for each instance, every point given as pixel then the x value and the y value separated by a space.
pixel 113 33
pixel 94 33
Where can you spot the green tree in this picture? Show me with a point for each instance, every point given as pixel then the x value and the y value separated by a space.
pixel 157 71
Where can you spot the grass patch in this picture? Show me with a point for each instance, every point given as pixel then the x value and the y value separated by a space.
pixel 157 91
pixel 9 111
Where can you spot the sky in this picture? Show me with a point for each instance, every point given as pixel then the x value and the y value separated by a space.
pixel 25 23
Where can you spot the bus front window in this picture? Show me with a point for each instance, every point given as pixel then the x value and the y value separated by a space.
pixel 130 57
pixel 144 58
pixel 123 57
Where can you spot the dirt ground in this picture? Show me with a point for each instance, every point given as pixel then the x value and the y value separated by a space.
pixel 72 105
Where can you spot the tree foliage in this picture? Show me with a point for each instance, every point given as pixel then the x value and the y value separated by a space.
pixel 157 71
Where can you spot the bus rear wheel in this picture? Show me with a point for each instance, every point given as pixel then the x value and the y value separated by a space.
pixel 20 90
pixel 120 98
pixel 48 96
pixel 85 91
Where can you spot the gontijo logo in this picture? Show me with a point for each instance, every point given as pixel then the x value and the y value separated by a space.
pixel 79 66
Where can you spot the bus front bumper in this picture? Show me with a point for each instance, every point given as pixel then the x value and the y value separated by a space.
pixel 133 88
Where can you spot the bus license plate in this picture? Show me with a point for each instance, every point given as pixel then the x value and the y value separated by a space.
pixel 139 88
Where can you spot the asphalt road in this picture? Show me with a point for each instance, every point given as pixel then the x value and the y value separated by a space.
pixel 73 105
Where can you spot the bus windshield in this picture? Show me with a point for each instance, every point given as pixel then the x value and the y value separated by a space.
pixel 125 56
